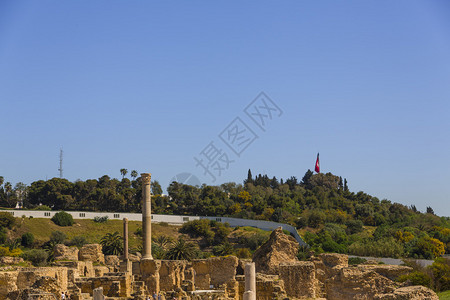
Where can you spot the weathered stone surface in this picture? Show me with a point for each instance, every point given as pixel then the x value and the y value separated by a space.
pixel 390 271
pixel 149 270
pixel 48 284
pixel 29 293
pixel 279 248
pixel 62 252
pixel 299 279
pixel 8 282
pixel 222 269
pixel 171 274
pixel 112 260
pixel 202 275
pixel 416 292
pixel 92 252
pixel 355 283
pixel 333 259
pixel 9 260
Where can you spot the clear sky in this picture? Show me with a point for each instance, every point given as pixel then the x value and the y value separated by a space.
pixel 148 85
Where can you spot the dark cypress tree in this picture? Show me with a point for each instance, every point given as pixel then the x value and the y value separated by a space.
pixel 430 210
pixel 249 177
pixel 345 185
pixel 340 183
pixel 306 179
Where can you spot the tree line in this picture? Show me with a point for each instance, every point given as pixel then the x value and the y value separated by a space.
pixel 329 215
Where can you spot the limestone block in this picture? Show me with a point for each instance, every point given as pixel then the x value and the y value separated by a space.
pixel 62 252
pixel 390 271
pixel 333 259
pixel 9 260
pixel 8 283
pixel 409 293
pixel 112 260
pixel 222 269
pixel 299 279
pixel 202 278
pixel 92 252
pixel 171 274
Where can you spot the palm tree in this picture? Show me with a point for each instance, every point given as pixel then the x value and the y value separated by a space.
pixel 182 250
pixel 163 241
pixel 123 172
pixel 112 243
pixel 134 174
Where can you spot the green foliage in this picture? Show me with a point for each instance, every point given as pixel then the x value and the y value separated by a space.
pixel 354 226
pixel 63 219
pixel 58 237
pixel 38 257
pixel 157 251
pixel 42 207
pixel 6 220
pixel 182 250
pixel 356 260
pixel 385 247
pixel 103 219
pixel 243 253
pixel 223 249
pixel 27 239
pixel 416 278
pixel 112 244
pixel 3 236
pixel 78 241
pixel 253 241
pixel 441 274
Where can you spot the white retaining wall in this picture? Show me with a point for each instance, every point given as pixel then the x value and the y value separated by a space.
pixel 170 219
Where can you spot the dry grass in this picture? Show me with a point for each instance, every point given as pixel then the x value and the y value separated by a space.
pixel 92 231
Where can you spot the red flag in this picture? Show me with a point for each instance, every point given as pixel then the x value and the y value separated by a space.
pixel 317 169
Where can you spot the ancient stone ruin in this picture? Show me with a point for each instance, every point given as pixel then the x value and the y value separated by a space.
pixel 275 273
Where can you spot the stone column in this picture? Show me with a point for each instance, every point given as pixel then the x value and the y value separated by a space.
pixel 146 215
pixel 250 282
pixel 125 239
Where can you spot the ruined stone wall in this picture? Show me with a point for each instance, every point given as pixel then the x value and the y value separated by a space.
pixel 299 279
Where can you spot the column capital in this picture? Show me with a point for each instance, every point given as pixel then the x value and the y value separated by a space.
pixel 146 177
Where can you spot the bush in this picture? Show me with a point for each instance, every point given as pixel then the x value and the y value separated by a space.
pixel 5 251
pixel 27 239
pixel 416 278
pixel 38 257
pixel 356 260
pixel 63 219
pixel 253 241
pixel 57 237
pixel 101 219
pixel 354 226
pixel 244 253
pixel 42 207
pixel 78 241
pixel 7 220
pixel 2 235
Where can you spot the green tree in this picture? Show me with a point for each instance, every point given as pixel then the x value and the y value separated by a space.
pixel 112 244
pixel 27 239
pixel 134 174
pixel 156 188
pixel 123 172
pixel 182 250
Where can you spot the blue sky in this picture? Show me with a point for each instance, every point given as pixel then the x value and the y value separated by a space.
pixel 147 86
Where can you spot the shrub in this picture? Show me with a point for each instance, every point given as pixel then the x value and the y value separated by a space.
pixel 78 241
pixel 2 235
pixel 27 239
pixel 103 219
pixel 63 219
pixel 223 249
pixel 7 220
pixel 57 237
pixel 354 226
pixel 253 241
pixel 356 260
pixel 416 278
pixel 38 257
pixel 42 207
pixel 244 253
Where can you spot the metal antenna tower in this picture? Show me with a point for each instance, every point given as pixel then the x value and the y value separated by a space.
pixel 60 163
